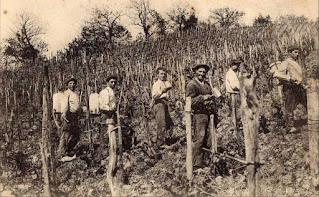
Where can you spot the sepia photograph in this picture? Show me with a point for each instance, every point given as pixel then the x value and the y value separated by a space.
pixel 159 98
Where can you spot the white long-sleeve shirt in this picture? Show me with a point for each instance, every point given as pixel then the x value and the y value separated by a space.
pixel 231 82
pixel 70 102
pixel 158 88
pixel 289 69
pixel 107 99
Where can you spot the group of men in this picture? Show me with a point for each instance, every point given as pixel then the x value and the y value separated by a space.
pixel 289 73
pixel 70 115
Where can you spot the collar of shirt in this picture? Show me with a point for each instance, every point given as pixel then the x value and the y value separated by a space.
pixel 109 89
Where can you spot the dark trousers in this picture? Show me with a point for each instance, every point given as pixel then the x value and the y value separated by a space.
pixel 293 95
pixel 103 138
pixel 163 120
pixel 70 134
pixel 200 122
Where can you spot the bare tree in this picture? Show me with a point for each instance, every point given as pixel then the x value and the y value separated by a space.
pixel 161 24
pixel 25 43
pixel 178 16
pixel 226 17
pixel 144 16
pixel 107 23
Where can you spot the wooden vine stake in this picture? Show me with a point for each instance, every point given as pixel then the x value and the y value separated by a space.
pixel 233 110
pixel 313 127
pixel 250 116
pixel 44 144
pixel 112 158
pixel 213 134
pixel 189 156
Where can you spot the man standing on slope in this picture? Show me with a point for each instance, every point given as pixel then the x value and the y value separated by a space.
pixel 160 105
pixel 202 106
pixel 289 73
pixel 107 102
pixel 232 87
pixel 70 117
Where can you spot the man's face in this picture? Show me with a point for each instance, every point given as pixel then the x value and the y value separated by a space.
pixel 162 75
pixel 112 83
pixel 201 74
pixel 234 67
pixel 294 54
pixel 71 85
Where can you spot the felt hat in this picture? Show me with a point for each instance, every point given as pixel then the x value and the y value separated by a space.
pixel 235 62
pixel 293 47
pixel 72 79
pixel 111 77
pixel 196 67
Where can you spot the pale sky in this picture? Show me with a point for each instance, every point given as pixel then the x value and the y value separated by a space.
pixel 63 19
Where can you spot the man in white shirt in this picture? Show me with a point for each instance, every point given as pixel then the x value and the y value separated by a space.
pixel 70 118
pixel 289 74
pixel 232 87
pixel 160 99
pixel 107 99
pixel 107 102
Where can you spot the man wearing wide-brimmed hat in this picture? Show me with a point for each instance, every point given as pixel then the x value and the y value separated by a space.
pixel 160 100
pixel 289 73
pixel 70 117
pixel 202 106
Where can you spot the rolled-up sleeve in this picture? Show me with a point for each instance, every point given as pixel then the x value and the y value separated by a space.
pixel 281 72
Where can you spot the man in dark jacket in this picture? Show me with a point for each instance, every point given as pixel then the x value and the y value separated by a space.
pixel 202 104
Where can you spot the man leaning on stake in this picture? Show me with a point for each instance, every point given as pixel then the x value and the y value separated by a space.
pixel 70 118
pixel 289 73
pixel 160 105
pixel 202 101
pixel 107 102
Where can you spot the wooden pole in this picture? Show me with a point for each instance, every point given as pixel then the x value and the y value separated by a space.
pixel 233 110
pixel 119 121
pixel 313 128
pixel 250 120
pixel 213 134
pixel 44 145
pixel 87 115
pixel 189 156
pixel 112 158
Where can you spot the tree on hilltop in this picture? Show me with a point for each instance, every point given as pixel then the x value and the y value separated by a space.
pixel 25 42
pixel 226 17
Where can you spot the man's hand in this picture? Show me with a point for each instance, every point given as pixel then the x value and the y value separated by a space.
pixel 207 97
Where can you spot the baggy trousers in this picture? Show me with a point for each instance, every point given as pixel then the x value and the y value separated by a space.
pixel 103 138
pixel 200 122
pixel 163 121
pixel 70 135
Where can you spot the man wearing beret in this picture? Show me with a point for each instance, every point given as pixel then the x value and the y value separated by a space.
pixel 289 73
pixel 202 100
pixel 70 117
pixel 107 102
pixel 160 105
